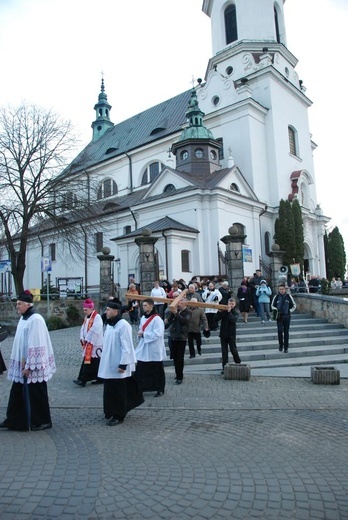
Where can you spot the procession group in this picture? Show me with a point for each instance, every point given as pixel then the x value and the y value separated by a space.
pixel 108 353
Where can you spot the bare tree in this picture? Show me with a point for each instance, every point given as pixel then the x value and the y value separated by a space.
pixel 35 146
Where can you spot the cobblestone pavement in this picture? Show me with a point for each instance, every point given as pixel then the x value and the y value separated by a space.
pixel 268 448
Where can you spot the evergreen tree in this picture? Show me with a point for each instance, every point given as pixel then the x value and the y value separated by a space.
pixel 326 250
pixel 285 231
pixel 336 255
pixel 299 235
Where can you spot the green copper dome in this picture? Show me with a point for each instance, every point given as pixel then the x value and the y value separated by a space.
pixel 196 129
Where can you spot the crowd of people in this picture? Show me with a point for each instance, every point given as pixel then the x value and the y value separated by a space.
pixel 109 356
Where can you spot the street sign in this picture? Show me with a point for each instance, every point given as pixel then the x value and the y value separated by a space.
pixel 46 264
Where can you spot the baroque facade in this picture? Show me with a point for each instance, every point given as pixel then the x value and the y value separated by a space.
pixel 222 154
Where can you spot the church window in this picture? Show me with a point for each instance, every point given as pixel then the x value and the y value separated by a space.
pixel 221 150
pixel 185 261
pixel 199 153
pixel 169 188
pixel 267 242
pixel 231 24
pixel 107 188
pixel 292 141
pixel 53 252
pixel 184 155
pixel 69 200
pixel 151 172
pixel 234 187
pixel 229 71
pixel 98 241
pixel 127 229
pixel 215 100
pixel 276 23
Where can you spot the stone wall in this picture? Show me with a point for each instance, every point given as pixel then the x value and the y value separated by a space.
pixel 9 317
pixel 332 308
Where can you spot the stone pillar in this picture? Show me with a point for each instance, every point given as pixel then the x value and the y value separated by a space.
pixel 276 257
pixel 106 283
pixel 234 257
pixel 148 269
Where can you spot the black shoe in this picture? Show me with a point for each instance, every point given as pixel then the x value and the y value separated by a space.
pixel 3 425
pixel 97 382
pixel 159 394
pixel 39 427
pixel 280 348
pixel 79 383
pixel 286 351
pixel 113 421
pixel 199 353
pixel 191 357
pixel 222 372
pixel 178 381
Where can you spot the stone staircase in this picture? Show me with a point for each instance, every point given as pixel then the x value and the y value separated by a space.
pixel 312 342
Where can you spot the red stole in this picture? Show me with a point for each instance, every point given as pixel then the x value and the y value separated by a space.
pixel 148 321
pixel 88 345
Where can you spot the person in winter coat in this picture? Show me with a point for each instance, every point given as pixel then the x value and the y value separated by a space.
pixel 245 300
pixel 178 320
pixel 283 305
pixel 197 321
pixel 227 334
pixel 264 293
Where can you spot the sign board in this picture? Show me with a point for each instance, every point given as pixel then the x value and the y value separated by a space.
pixel 295 269
pixel 46 264
pixel 5 266
pixel 247 254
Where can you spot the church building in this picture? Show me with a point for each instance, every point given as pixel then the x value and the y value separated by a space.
pixel 221 154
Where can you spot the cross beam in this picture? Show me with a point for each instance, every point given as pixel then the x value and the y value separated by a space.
pixel 170 301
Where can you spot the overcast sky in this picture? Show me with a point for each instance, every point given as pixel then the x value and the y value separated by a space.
pixel 53 52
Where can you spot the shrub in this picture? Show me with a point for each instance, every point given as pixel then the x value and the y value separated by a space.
pixel 73 315
pixel 55 323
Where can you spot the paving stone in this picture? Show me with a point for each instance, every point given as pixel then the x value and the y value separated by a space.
pixel 272 448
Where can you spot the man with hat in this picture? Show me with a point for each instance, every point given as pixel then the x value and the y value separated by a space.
pixel 91 339
pixel 121 391
pixel 32 364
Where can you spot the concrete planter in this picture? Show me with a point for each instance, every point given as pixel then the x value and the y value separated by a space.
pixel 237 372
pixel 325 376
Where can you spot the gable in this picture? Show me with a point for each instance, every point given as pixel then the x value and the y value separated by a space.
pixel 235 182
pixel 167 177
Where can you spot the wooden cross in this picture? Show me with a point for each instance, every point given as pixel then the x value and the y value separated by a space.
pixel 174 302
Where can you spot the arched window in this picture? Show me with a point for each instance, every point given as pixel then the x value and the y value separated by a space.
pixel 293 141
pixel 107 188
pixel 276 23
pixel 267 242
pixel 169 188
pixel 151 172
pixel 185 261
pixel 231 24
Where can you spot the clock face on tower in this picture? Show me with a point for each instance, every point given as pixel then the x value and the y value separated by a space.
pixel 184 155
pixel 212 154
pixel 199 153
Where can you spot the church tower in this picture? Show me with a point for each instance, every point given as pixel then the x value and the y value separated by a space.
pixel 102 109
pixel 252 79
pixel 257 106
pixel 197 152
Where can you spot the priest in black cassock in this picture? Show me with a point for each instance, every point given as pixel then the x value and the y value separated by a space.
pixel 32 364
